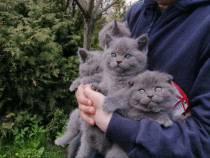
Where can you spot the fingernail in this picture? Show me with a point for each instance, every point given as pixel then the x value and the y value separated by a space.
pixel 89 102
pixel 91 122
pixel 91 110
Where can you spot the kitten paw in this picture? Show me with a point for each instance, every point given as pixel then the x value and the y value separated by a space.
pixel 112 104
pixel 86 80
pixel 164 121
pixel 59 141
pixel 167 123
pixel 75 84
pixel 96 88
pixel 73 88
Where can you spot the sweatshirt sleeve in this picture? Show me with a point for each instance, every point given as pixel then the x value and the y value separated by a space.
pixel 146 138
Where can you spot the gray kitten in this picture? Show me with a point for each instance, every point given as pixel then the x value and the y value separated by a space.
pixel 124 58
pixel 73 133
pixel 114 29
pixel 151 95
pixel 90 69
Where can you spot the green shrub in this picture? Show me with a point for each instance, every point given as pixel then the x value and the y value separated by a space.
pixel 57 124
pixel 38 61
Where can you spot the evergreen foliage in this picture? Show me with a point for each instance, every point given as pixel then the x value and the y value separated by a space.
pixel 38 60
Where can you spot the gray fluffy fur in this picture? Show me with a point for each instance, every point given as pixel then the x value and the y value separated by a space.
pixel 90 69
pixel 124 58
pixel 73 133
pixel 151 95
pixel 114 29
pixel 130 60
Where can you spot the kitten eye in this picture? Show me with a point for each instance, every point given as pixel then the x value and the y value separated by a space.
pixel 158 89
pixel 128 56
pixel 113 55
pixel 141 91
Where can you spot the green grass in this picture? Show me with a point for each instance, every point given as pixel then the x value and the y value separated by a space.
pixel 36 147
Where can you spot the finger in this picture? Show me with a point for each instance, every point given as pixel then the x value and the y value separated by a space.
pixel 81 98
pixel 86 85
pixel 93 95
pixel 87 109
pixel 79 90
pixel 87 118
pixel 89 93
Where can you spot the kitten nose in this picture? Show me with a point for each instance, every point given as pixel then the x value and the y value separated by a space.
pixel 150 96
pixel 118 62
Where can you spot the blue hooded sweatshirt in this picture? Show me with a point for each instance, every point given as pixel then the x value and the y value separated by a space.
pixel 179 44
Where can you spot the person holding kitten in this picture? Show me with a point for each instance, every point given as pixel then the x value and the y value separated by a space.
pixel 179 44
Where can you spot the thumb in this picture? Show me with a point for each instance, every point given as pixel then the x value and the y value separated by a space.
pixel 96 97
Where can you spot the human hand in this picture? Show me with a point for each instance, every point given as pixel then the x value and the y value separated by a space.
pixel 101 118
pixel 85 105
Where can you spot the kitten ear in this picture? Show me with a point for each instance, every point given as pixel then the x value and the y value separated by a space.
pixel 169 78
pixel 83 55
pixel 130 83
pixel 108 39
pixel 125 23
pixel 116 29
pixel 142 42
